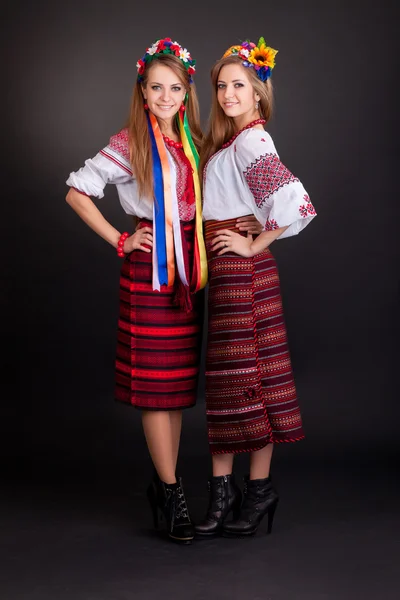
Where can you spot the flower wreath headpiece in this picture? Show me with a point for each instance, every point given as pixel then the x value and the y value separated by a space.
pixel 260 57
pixel 166 46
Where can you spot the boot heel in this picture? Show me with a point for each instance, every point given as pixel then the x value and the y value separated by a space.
pixel 271 514
pixel 260 499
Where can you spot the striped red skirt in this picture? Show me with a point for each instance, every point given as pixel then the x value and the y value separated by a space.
pixel 158 345
pixel 250 391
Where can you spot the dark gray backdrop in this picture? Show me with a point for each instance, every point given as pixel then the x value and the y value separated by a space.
pixel 68 80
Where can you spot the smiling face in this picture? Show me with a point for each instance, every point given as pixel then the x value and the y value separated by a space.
pixel 163 92
pixel 236 95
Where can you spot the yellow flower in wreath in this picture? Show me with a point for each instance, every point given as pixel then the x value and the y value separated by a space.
pixel 263 56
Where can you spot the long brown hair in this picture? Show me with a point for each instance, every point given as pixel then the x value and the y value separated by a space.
pixel 138 135
pixel 220 127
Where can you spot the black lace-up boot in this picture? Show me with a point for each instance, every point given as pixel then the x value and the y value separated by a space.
pixel 260 499
pixel 224 497
pixel 168 500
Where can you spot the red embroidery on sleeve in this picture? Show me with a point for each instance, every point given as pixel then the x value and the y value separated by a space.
pixel 119 143
pixel 307 209
pixel 265 176
pixel 271 224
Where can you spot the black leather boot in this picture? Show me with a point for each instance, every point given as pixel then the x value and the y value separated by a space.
pixel 224 497
pixel 167 500
pixel 260 499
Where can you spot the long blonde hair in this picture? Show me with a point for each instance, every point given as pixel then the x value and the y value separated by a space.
pixel 138 134
pixel 220 127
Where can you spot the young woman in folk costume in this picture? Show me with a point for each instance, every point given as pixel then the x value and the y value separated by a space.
pixel 153 162
pixel 250 391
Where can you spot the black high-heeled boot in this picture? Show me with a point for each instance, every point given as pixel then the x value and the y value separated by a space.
pixel 224 497
pixel 168 501
pixel 260 499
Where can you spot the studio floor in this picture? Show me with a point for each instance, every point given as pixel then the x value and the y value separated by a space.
pixel 82 530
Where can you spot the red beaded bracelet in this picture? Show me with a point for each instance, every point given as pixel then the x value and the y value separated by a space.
pixel 121 242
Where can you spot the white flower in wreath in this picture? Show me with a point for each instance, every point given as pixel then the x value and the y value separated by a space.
pixel 184 54
pixel 137 65
pixel 244 53
pixel 153 49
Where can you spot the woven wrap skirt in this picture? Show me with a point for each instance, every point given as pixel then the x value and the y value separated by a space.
pixel 158 343
pixel 250 390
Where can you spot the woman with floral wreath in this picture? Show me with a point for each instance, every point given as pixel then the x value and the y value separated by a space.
pixel 153 163
pixel 251 400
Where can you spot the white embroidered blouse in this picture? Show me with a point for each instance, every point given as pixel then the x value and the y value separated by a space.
pixel 247 177
pixel 112 165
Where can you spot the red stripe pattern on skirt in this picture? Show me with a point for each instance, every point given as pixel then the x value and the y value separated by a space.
pixel 250 391
pixel 158 342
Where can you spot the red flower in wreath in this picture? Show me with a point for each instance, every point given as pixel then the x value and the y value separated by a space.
pixel 140 65
pixel 191 70
pixel 175 48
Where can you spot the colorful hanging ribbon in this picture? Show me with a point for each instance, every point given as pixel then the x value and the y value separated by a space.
pixel 167 236
pixel 162 210
pixel 200 272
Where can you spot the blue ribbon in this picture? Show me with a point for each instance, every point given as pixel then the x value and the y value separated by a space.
pixel 159 212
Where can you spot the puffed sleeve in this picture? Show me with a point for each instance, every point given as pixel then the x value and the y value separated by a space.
pixel 277 197
pixel 110 165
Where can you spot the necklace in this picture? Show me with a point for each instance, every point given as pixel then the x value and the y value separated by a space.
pixel 248 126
pixel 172 143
